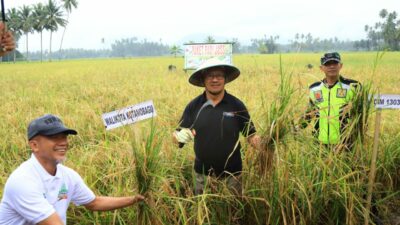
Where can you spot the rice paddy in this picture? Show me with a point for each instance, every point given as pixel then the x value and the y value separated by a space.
pixel 303 183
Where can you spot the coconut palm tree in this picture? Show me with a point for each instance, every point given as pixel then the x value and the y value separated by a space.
pixel 175 50
pixel 14 25
pixel 39 21
pixel 26 18
pixel 67 5
pixel 210 39
pixel 54 19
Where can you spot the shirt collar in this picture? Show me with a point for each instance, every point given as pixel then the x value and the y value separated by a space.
pixel 42 171
pixel 204 97
pixel 331 86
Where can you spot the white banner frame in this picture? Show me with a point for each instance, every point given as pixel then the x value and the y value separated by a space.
pixel 129 115
pixel 197 53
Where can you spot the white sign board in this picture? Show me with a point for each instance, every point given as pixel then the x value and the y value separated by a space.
pixel 196 54
pixel 387 101
pixel 129 115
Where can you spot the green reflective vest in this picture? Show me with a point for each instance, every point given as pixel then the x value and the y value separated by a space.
pixel 329 102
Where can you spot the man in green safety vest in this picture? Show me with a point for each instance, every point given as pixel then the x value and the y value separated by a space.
pixel 329 107
pixel 329 101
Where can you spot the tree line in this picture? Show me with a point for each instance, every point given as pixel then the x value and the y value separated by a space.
pixel 383 35
pixel 37 18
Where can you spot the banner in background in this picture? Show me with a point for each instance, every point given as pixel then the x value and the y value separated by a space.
pixel 129 115
pixel 196 54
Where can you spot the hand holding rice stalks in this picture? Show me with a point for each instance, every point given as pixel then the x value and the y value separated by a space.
pixel 279 122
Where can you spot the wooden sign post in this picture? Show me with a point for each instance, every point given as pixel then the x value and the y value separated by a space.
pixel 380 102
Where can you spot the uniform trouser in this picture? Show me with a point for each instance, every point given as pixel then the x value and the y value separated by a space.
pixel 233 182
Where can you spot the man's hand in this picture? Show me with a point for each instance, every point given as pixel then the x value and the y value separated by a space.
pixel 138 198
pixel 184 136
pixel 255 141
pixel 7 43
pixel 103 203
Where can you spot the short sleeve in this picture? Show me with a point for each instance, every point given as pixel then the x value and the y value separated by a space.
pixel 28 200
pixel 186 119
pixel 82 194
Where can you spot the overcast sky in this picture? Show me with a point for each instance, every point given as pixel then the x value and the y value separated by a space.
pixel 175 21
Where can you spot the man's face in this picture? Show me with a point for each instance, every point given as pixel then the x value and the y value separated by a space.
pixel 214 81
pixel 50 149
pixel 331 69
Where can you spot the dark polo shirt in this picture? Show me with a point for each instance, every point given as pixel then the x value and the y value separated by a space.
pixel 216 143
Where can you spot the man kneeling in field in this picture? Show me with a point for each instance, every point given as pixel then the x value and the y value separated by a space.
pixel 40 189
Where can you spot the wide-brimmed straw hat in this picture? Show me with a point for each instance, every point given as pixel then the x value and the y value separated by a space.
pixel 231 72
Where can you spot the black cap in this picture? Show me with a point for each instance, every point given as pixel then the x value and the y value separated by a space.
pixel 48 125
pixel 330 56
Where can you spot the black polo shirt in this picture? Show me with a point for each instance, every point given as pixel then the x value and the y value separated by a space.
pixel 216 144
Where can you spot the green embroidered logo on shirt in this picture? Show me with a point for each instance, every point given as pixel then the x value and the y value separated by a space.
pixel 63 193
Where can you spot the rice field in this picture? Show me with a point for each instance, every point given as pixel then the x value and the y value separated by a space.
pixel 303 184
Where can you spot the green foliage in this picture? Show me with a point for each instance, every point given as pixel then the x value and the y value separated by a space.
pixel 210 39
pixel 69 4
pixel 38 17
pixel 147 169
pixel 385 35
pixel 278 120
pixel 266 45
pixel 129 47
pixel 54 19
pixel 26 24
pixel 175 50
pixel 14 22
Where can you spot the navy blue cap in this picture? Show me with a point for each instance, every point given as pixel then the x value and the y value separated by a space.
pixel 48 125
pixel 330 56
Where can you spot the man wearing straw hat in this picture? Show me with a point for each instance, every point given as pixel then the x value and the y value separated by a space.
pixel 7 43
pixel 214 120
pixel 40 189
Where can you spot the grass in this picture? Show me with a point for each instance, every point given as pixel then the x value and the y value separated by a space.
pixel 279 122
pixel 308 185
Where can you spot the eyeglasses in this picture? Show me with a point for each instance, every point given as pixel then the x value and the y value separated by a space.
pixel 216 75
